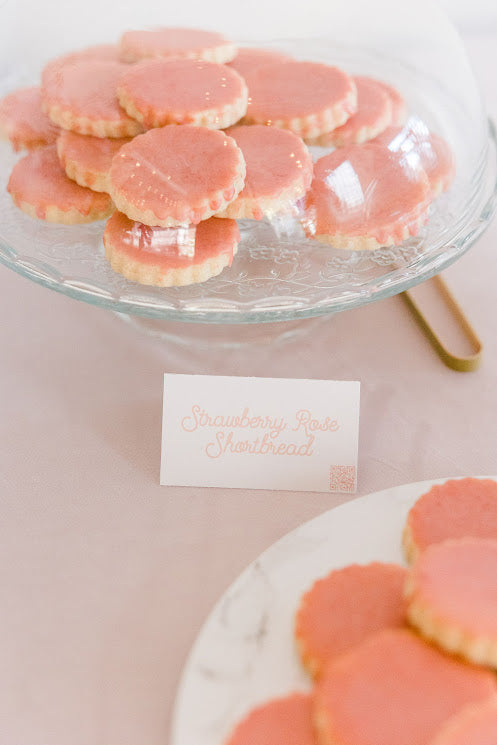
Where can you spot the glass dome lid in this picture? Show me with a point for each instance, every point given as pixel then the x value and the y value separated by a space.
pixel 397 180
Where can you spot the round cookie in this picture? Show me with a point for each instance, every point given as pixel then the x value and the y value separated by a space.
pixel 475 725
pixel 249 59
pixel 176 42
pixel 82 97
pixel 23 121
pixel 309 98
pixel 279 171
pixel 365 197
pixel 345 607
pixel 208 94
pixel 282 721
pixel 87 159
pixel 176 175
pixel 394 689
pixel 105 52
pixel 452 597
pixel 153 256
pixel 457 508
pixel 39 186
pixel 373 115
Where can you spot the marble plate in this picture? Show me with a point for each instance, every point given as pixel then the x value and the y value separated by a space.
pixel 244 653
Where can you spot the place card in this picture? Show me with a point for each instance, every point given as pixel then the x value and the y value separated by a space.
pixel 260 433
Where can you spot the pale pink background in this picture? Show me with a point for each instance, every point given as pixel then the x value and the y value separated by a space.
pixel 105 576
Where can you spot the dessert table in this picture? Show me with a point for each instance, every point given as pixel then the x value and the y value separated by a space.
pixel 106 576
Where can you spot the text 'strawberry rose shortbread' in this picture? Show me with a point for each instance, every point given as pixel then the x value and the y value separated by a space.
pixel 176 42
pixel 452 597
pixel 373 115
pixel 366 196
pixel 345 607
pixel 458 508
pixel 23 122
pixel 475 725
pixel 183 91
pixel 39 186
pixel 308 98
pixel 279 171
pixel 394 689
pixel 249 59
pixel 399 106
pixel 282 721
pixel 176 175
pixel 154 256
pixel 87 159
pixel 82 97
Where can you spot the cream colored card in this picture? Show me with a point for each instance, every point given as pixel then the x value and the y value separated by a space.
pixel 260 433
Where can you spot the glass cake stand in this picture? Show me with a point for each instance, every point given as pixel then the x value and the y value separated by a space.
pixel 278 275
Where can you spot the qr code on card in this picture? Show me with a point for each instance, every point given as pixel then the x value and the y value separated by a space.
pixel 343 478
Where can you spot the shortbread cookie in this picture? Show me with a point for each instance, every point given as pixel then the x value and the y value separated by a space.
pixel 23 122
pixel 209 94
pixel 394 689
pixel 435 155
pixel 399 106
pixel 344 608
pixel 475 725
pixel 282 721
pixel 365 197
pixel 249 59
pixel 102 52
pixel 82 97
pixel 452 597
pixel 153 256
pixel 279 171
pixel 87 159
pixel 176 42
pixel 373 115
pixel 39 186
pixel 309 98
pixel 457 508
pixel 176 175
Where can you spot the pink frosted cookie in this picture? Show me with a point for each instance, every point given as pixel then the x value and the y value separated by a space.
pixel 87 159
pixel 249 59
pixel 23 122
pixel 452 597
pixel 373 115
pixel 209 94
pixel 176 175
pixel 344 608
pixel 105 52
pixel 394 689
pixel 435 155
pixel 176 42
pixel 475 725
pixel 283 721
pixel 457 508
pixel 309 98
pixel 39 186
pixel 82 97
pixel 153 256
pixel 399 106
pixel 279 171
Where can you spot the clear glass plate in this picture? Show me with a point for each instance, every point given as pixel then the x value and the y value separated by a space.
pixel 278 274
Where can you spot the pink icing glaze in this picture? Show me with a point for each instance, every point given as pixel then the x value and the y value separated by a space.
pixel 435 155
pixel 394 689
pixel 159 246
pixel 249 59
pixel 366 189
pixel 399 107
pixel 40 180
pixel 455 509
pixel 284 721
pixel 173 91
pixel 173 170
pixel 283 90
pixel 275 159
pixel 86 88
pixel 92 153
pixel 105 52
pixel 476 725
pixel 169 42
pixel 24 122
pixel 457 579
